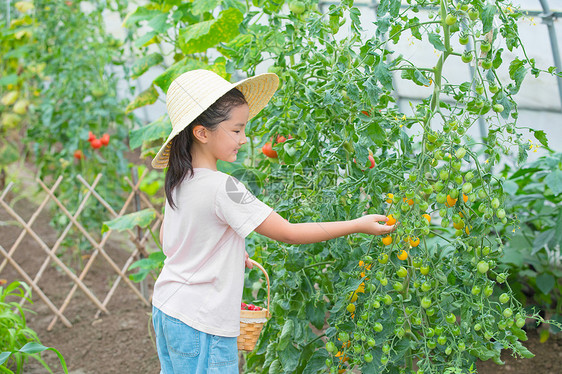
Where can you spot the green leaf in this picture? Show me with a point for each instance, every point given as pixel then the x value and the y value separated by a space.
pixel 141 218
pixel 145 39
pixel 545 282
pixel 143 64
pixel 146 97
pixel 286 334
pixel 159 129
pixel 540 136
pixel 290 358
pixel 435 40
pixel 201 6
pixel 487 17
pixel 4 356
pixel 32 347
pixel 159 23
pixel 316 313
pixel 165 79
pixel 140 14
pixel 554 182
pixel 204 35
pixel 383 75
pixel 517 72
pixel 316 362
pixel 9 79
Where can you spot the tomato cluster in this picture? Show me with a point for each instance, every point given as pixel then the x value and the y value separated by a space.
pixel 267 148
pixel 98 143
pixel 245 306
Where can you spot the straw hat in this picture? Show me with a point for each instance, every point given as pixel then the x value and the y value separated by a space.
pixel 193 92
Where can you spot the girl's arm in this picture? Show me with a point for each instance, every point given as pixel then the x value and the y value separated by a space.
pixel 278 228
pixel 161 231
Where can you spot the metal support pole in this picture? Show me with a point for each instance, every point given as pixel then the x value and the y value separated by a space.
pixel 8 11
pixel 135 177
pixel 547 18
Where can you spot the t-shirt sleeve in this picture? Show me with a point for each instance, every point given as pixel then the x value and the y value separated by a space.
pixel 239 208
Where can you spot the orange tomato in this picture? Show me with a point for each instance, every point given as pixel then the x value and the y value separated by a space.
pixel 464 198
pixel 387 240
pixel 427 217
pixel 389 198
pixel 391 220
pixel 410 201
pixel 268 150
pixel 414 241
pixel 402 255
pixel 450 201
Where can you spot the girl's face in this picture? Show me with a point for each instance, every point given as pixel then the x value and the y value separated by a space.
pixel 230 135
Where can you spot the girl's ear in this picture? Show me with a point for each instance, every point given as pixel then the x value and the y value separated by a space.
pixel 200 133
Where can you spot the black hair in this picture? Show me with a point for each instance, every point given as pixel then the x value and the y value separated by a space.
pixel 180 162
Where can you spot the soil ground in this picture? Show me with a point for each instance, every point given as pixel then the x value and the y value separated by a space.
pixel 121 341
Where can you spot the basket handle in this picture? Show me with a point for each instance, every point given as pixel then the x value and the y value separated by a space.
pixel 266 278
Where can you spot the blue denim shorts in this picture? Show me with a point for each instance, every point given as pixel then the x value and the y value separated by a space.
pixel 185 350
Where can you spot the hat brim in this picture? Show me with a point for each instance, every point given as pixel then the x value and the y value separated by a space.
pixel 257 90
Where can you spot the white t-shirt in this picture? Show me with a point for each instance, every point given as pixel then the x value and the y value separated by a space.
pixel 203 240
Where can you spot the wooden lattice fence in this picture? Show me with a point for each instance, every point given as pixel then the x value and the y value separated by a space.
pixel 138 240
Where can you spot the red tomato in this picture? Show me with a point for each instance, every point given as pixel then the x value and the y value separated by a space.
pixel 268 150
pixel 372 159
pixel 281 138
pixel 105 139
pixel 366 113
pixel 78 154
pixel 91 136
pixel 96 143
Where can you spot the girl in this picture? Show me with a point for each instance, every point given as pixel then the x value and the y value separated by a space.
pixel 196 301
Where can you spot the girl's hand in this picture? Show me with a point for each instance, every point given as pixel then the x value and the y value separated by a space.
pixel 249 264
pixel 369 224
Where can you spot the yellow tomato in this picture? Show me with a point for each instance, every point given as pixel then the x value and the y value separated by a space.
pixel 402 255
pixel 450 201
pixel 387 240
pixel 389 198
pixel 415 241
pixel 391 220
pixel 427 217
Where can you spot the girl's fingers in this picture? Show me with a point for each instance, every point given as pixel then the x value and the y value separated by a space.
pixel 380 217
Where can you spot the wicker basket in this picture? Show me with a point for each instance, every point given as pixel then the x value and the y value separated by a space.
pixel 252 321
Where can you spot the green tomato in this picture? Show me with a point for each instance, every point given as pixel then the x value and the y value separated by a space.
pixel 442 339
pixel 468 176
pixel 384 360
pixel 368 357
pixel 495 203
pixel 431 344
pixel 473 14
pixel 463 39
pixel 507 312
pixel 441 198
pixel 402 272
pixel 476 290
pixel 488 290
pixel 498 108
pixel 429 332
pixel 426 302
pixel 504 298
pixel 467 57
pixel 467 188
pixel 520 322
pixel 377 327
pixel 450 19
pixel 387 299
pixel 297 7
pixel 398 286
pixel 487 63
pixel 500 213
pixel 493 88
pixel 344 336
pixel 383 281
pixel 461 346
pixel 460 152
pixel 383 258
pixel 426 286
pixel 330 347
pixel 451 318
pixel 386 348
pixel 479 89
pixel 485 46
pixel 483 267
pixel 439 330
pixel 477 327
pixel 424 269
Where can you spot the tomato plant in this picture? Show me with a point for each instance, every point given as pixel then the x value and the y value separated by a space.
pixel 428 174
